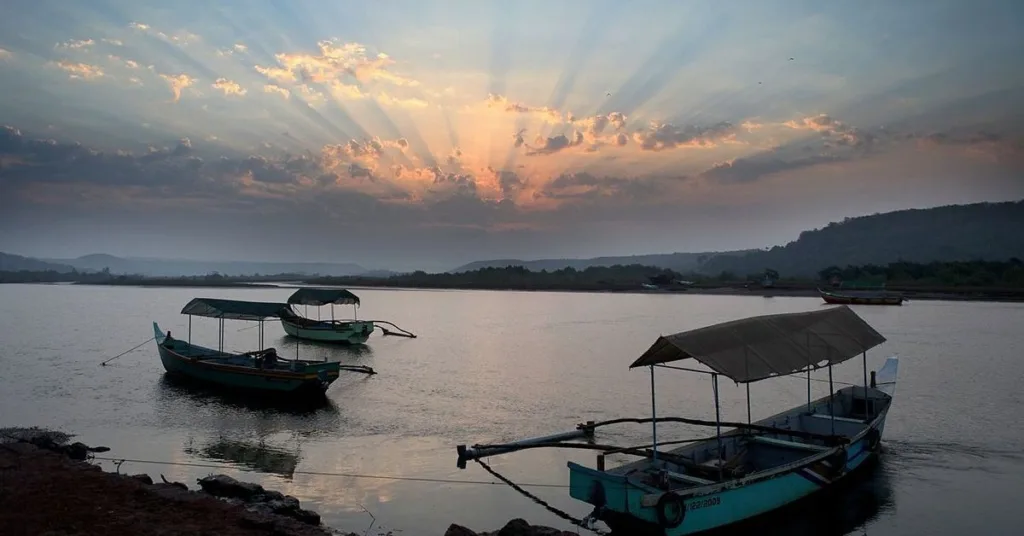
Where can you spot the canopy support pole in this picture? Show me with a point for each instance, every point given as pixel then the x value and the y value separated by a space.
pixel 864 359
pixel 748 402
pixel 190 336
pixel 746 362
pixel 654 421
pixel 831 395
pixel 809 367
pixel 332 313
pixel 261 335
pixel 355 312
pixel 718 424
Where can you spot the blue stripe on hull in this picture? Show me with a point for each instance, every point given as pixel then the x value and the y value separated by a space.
pixel 713 510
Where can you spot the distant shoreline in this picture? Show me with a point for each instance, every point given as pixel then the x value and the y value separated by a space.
pixel 909 294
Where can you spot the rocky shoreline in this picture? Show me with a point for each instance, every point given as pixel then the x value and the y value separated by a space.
pixel 48 486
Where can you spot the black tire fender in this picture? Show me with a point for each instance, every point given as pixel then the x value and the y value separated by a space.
pixel 667 503
pixel 873 438
pixel 837 462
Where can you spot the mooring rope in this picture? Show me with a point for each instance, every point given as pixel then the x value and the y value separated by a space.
pixel 140 345
pixel 345 475
pixel 560 513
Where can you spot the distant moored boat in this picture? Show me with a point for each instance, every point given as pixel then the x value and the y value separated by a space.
pixel 849 299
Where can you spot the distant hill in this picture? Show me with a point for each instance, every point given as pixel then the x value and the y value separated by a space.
pixel 176 267
pixel 680 262
pixel 980 231
pixel 17 263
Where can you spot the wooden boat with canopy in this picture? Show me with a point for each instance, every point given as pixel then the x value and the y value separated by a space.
pixel 834 298
pixel 347 331
pixel 262 370
pixel 756 467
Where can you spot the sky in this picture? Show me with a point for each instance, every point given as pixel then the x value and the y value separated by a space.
pixel 411 134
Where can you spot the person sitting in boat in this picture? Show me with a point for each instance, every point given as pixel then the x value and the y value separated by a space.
pixel 270 358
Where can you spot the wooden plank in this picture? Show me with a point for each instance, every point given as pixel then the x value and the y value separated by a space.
pixel 788 444
pixel 829 417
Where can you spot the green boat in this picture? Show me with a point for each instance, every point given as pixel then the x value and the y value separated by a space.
pixel 262 370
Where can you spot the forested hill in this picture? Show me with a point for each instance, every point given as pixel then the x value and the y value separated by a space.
pixel 680 262
pixel 981 231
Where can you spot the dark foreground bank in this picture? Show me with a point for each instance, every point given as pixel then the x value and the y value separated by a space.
pixel 47 486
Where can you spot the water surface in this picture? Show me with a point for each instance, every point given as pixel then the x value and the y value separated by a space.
pixel 496 366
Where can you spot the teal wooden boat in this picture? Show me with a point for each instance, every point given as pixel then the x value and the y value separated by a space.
pixel 344 331
pixel 757 467
pixel 352 331
pixel 262 370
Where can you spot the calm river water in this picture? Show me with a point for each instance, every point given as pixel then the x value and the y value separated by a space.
pixel 496 366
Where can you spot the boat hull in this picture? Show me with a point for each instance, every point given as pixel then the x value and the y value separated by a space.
pixel 310 379
pixel 841 299
pixel 349 332
pixel 625 504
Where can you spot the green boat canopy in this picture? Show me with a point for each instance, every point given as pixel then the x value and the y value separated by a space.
pixel 762 347
pixel 234 309
pixel 323 296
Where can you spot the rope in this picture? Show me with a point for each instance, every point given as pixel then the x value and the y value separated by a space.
pixel 345 475
pixel 518 487
pixel 400 333
pixel 140 345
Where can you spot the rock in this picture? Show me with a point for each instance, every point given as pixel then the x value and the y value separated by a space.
pixel 307 516
pixel 225 486
pixel 284 506
pixel 459 530
pixel 516 527
pixel 144 478
pixel 173 484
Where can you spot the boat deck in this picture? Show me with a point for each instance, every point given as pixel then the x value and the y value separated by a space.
pixel 745 453
pixel 247 360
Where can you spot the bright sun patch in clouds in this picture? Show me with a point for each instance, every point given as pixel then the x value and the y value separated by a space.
pixel 472 121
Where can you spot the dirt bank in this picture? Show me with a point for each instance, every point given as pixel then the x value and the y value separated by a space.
pixel 43 491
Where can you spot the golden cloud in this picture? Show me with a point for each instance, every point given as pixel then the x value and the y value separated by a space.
pixel 6 54
pixel 271 88
pixel 131 64
pixel 411 103
pixel 229 87
pixel 82 71
pixel 501 102
pixel 335 62
pixel 178 82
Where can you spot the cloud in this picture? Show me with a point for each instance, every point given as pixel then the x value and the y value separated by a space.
pixel 229 87
pixel 81 71
pixel 832 128
pixel 182 38
pixel 76 44
pixel 335 62
pixel 115 42
pixel 517 138
pixel 663 136
pixel 343 91
pixel 588 188
pixel 743 170
pixel 271 88
pixel 554 144
pixel 131 64
pixel 396 102
pixel 5 54
pixel 502 103
pixel 178 82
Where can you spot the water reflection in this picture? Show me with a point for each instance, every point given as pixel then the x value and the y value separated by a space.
pixel 176 389
pixel 257 456
pixel 325 351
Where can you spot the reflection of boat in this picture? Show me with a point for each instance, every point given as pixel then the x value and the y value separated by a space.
pixel 257 456
pixel 262 370
pixel 757 468
pixel 345 331
pixel 857 299
pixel 348 331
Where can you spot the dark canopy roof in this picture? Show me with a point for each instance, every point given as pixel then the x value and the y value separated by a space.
pixel 323 296
pixel 761 347
pixel 233 309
